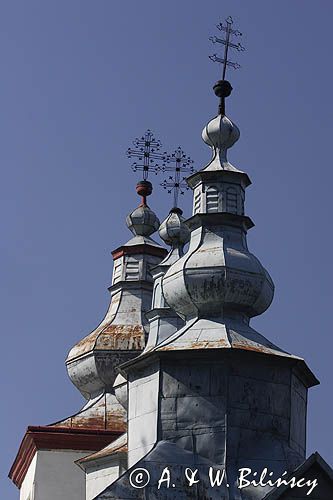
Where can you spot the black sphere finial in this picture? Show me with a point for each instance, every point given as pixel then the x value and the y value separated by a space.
pixel 222 89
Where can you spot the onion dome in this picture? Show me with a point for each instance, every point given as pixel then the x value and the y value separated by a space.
pixel 143 221
pixel 163 320
pixel 173 230
pixel 220 134
pixel 92 363
pixel 218 276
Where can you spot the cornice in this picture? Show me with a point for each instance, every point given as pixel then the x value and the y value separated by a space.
pixel 56 438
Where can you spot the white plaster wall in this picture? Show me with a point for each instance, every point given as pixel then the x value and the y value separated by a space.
pixel 27 488
pixel 99 478
pixel 54 476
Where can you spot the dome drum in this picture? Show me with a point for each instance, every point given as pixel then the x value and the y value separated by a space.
pixel 218 273
pixel 96 373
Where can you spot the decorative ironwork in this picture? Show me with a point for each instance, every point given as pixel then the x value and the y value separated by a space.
pixel 176 183
pixel 229 32
pixel 147 150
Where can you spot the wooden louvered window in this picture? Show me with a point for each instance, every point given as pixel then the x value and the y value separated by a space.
pixel 212 199
pixel 132 270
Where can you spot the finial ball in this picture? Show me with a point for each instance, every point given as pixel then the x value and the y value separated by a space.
pixel 144 188
pixel 222 88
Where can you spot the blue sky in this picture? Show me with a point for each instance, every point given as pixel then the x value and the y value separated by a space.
pixel 79 81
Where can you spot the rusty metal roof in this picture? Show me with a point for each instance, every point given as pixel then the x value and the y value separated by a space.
pixel 114 448
pixel 103 413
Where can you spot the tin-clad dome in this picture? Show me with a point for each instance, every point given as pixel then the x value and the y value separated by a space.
pixel 173 230
pixel 142 221
pixel 220 132
pixel 218 275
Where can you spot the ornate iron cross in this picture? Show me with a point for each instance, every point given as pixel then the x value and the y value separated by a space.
pixel 176 184
pixel 147 150
pixel 229 32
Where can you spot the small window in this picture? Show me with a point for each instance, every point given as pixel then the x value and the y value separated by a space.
pixel 212 199
pixel 132 271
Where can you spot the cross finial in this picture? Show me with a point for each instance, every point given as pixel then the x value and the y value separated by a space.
pixel 147 150
pixel 176 184
pixel 223 88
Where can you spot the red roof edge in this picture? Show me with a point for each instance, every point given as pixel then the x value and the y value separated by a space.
pixel 56 438
pixel 138 249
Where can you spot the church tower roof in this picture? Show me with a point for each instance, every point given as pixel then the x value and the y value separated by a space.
pixel 93 361
pixel 219 393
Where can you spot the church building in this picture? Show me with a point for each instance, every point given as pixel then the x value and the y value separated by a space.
pixel 184 399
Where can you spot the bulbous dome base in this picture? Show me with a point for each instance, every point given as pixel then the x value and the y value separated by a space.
pixel 217 274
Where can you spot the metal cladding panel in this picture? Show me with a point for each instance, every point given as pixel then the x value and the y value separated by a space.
pixel 251 409
pixel 143 412
pixel 104 412
pixel 96 372
pixel 226 409
pixel 218 273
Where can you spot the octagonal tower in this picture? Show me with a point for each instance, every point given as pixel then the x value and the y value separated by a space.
pixel 216 393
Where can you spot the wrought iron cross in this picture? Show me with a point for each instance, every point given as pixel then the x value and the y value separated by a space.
pixel 229 32
pixel 147 150
pixel 176 184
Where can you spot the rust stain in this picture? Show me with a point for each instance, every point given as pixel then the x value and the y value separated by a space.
pixel 119 337
pixel 110 423
pixel 110 337
pixel 84 345
pixel 248 347
pixel 107 451
pixel 216 344
pixel 101 416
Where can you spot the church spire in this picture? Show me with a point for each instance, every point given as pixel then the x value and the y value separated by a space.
pixel 215 393
pixel 223 88
pixel 178 164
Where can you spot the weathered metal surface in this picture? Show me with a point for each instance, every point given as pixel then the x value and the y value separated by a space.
pixel 113 333
pixel 104 412
pixel 96 372
pixel 220 134
pixel 220 334
pixel 119 337
pixel 117 446
pixel 121 390
pixel 154 463
pixel 218 273
pixel 220 393
pixel 215 393
pixel 222 411
pixel 92 364
pixel 163 321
